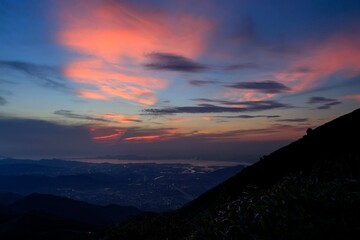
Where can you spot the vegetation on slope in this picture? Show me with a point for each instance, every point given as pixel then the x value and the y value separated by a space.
pixel 322 204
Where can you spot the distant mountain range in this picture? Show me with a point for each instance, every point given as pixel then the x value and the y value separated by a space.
pixel 40 216
pixel 309 189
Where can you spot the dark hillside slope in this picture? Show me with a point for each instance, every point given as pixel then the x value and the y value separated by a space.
pixel 335 138
pixel 309 189
pixel 338 137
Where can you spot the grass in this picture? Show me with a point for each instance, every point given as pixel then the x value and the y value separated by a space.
pixel 322 203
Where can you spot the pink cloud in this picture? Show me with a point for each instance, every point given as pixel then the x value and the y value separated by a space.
pixel 355 97
pixel 112 40
pixel 207 118
pixel 106 134
pixel 91 95
pixel 155 135
pixel 243 95
pixel 338 55
pixel 179 120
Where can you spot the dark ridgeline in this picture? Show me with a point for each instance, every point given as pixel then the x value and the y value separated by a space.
pixel 336 138
pixel 309 189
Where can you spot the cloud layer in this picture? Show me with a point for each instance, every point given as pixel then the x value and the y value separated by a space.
pixel 323 102
pixel 263 87
pixel 199 83
pixel 118 40
pixel 106 118
pixel 246 106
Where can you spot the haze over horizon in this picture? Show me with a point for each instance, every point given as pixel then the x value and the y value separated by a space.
pixel 210 79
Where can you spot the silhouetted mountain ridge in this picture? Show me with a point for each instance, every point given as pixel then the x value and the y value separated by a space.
pixel 333 138
pixel 297 192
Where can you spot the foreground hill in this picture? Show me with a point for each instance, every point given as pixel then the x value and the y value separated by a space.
pixel 40 216
pixel 309 189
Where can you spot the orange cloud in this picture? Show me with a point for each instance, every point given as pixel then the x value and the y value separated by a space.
pixel 164 134
pixel 120 118
pixel 103 135
pixel 106 137
pixel 207 118
pixel 112 40
pixel 142 138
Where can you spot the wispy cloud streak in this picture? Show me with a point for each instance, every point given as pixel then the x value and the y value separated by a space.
pixel 314 100
pixel 264 86
pixel 237 107
pixel 326 103
pixel 249 116
pixel 46 76
pixel 200 83
pixel 107 118
pixel 70 114
pixel 293 120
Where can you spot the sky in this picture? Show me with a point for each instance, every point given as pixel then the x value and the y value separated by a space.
pixel 206 79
